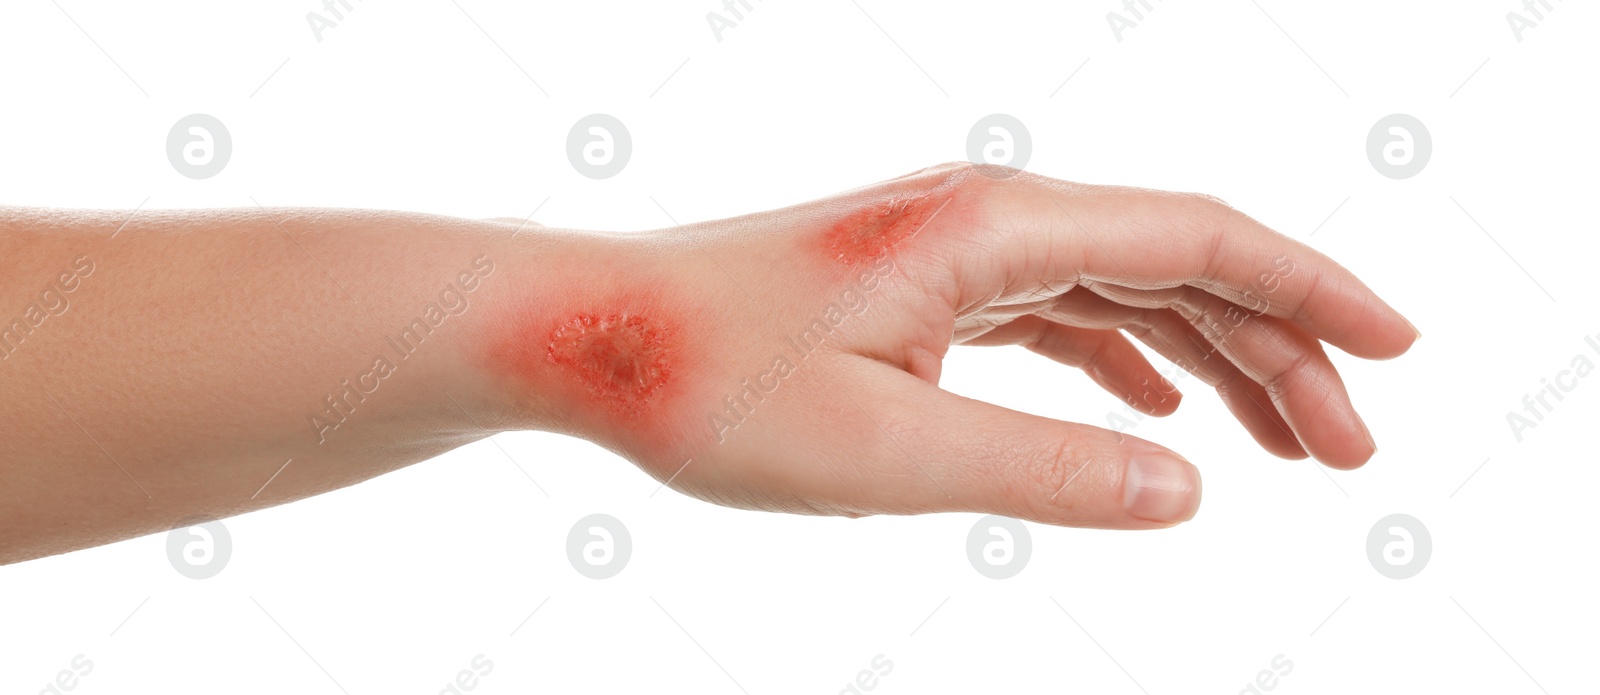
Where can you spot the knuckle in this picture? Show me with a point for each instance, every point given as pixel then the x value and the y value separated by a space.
pixel 824 507
pixel 1207 201
pixel 1207 215
pixel 954 173
pixel 1198 217
pixel 1298 373
pixel 954 166
pixel 966 179
pixel 1048 474
pixel 897 425
pixel 1204 212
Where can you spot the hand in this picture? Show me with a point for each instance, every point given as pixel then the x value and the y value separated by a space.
pixel 790 360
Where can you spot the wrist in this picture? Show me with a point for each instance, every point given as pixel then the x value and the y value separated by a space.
pixel 593 335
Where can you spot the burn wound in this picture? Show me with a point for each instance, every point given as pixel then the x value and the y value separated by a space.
pixel 620 359
pixel 864 236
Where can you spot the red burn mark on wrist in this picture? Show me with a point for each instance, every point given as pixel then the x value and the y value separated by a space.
pixel 620 358
pixel 867 235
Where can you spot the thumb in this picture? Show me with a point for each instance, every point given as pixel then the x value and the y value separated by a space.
pixel 979 457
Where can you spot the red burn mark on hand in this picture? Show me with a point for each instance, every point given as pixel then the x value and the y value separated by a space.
pixel 618 358
pixel 867 235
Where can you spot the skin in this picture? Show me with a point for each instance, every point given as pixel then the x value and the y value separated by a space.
pixel 784 361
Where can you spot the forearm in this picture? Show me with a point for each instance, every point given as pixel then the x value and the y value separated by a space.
pixel 201 364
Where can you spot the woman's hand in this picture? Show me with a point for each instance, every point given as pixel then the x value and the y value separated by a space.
pixel 790 360
pixel 179 365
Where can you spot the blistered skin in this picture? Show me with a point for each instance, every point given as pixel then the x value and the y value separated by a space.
pixel 620 359
pixel 871 233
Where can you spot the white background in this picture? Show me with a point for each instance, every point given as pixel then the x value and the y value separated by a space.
pixel 395 585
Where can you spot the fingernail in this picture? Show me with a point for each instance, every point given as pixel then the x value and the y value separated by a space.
pixel 1161 488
